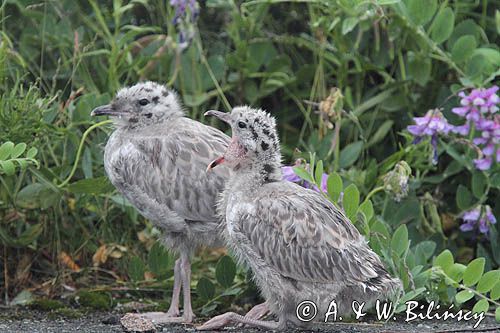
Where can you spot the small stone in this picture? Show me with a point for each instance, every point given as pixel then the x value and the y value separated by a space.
pixel 132 322
pixel 111 320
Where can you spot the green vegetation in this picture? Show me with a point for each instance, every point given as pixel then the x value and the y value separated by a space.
pixel 345 79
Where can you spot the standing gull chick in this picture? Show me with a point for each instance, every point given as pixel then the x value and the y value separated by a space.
pixel 157 158
pixel 298 244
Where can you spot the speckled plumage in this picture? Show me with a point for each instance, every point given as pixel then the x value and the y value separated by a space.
pixel 299 245
pixel 157 158
pixel 161 171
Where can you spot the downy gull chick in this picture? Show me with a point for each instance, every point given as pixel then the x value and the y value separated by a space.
pixel 299 245
pixel 157 158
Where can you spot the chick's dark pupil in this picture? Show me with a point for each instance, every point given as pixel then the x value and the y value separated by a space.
pixel 242 124
pixel 143 102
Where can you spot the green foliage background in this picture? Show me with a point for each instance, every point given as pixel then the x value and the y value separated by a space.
pixel 389 60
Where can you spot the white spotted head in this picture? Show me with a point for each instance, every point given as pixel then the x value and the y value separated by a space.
pixel 254 143
pixel 141 105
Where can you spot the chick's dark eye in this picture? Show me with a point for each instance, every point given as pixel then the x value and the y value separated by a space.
pixel 241 124
pixel 143 102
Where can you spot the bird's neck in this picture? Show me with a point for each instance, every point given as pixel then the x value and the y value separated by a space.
pixel 253 174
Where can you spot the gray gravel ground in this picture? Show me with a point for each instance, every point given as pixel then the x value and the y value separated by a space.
pixel 29 321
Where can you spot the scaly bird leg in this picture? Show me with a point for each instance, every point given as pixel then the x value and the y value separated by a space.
pixel 258 311
pixel 188 314
pixel 231 317
pixel 172 315
pixel 173 310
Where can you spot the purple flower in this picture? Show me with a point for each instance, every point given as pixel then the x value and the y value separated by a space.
pixel 483 163
pixel 291 176
pixel 480 217
pixel 432 124
pixel 186 13
pixel 181 7
pixel 478 101
pixel 480 108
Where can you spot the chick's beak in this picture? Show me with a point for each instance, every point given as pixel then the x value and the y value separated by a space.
pixel 215 163
pixel 225 117
pixel 104 110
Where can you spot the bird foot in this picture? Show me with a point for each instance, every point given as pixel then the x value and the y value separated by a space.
pixel 173 312
pixel 231 317
pixel 216 322
pixel 257 312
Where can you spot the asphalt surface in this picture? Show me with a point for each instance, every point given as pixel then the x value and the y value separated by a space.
pixel 31 321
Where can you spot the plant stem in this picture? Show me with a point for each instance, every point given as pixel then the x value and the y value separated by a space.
pixel 79 151
pixel 375 190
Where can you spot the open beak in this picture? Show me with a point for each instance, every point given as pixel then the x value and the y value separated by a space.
pixel 105 110
pixel 215 163
pixel 225 117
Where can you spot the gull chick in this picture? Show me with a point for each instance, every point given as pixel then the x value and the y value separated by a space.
pixel 298 244
pixel 156 158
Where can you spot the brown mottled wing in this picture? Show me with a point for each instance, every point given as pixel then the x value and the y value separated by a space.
pixel 172 168
pixel 305 237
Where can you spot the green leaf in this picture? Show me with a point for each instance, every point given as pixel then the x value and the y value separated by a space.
pixel 463 198
pixel 463 296
pixel 443 24
pixel 473 272
pixel 91 186
pixel 387 2
pixel 318 174
pixel 37 195
pixel 334 186
pixel 495 180
pixel 421 11
pixel 32 152
pixel 463 48
pixel 224 4
pixel 497 23
pixel 456 272
pixel 481 306
pixel 497 311
pixel 400 242
pixel 495 292
pixel 444 260
pixel 18 150
pixel 367 209
pixel 350 154
pixel 302 173
pixel 205 289
pixel 424 251
pixel 6 150
pixel 136 269
pixel 381 133
pixel 488 281
pixel 419 68
pixel 479 183
pixel 351 201
pixel 225 271
pixel 158 260
pixel 87 163
pixel 348 24
pixel 7 167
